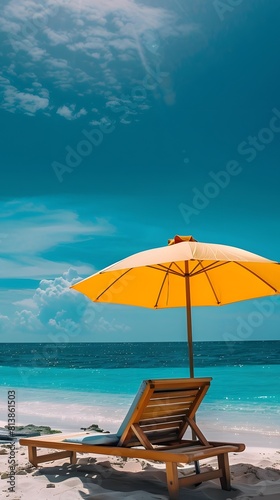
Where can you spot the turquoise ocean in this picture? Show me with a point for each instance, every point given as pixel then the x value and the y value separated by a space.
pixel 69 386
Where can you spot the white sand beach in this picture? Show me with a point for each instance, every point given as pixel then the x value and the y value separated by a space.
pixel 255 474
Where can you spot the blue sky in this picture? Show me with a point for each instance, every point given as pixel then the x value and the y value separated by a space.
pixel 124 123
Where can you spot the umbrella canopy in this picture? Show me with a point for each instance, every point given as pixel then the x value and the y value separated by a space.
pixel 184 273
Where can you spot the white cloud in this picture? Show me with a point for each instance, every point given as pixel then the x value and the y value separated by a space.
pixel 125 122
pixel 5 325
pixel 65 112
pixel 122 44
pixel 57 63
pixel 93 36
pixel 29 230
pixel 144 106
pixel 26 321
pixel 59 314
pixel 36 53
pixel 69 113
pixel 24 101
pixel 11 70
pixel 45 228
pixel 36 267
pixel 29 76
pixel 2 317
pixel 95 123
pixel 60 77
pixel 27 303
pixel 57 38
pixel 103 325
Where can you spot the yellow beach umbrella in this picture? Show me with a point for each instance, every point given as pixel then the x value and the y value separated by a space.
pixel 183 274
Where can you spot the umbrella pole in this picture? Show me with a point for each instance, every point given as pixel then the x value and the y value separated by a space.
pixel 189 318
pixel 190 341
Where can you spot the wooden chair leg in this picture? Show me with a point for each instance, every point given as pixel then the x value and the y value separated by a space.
pixel 32 455
pixel 172 480
pixel 224 466
pixel 73 457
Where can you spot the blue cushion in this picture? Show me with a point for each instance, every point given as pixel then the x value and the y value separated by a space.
pixel 96 438
pixel 132 408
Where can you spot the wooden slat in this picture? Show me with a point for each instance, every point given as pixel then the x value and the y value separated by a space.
pixel 169 406
pixel 171 401
pixel 157 436
pixel 147 421
pixel 206 452
pixel 163 438
pixel 179 384
pixel 162 412
pixel 179 447
pixel 188 442
pixel 174 394
pixel 238 446
pixel 169 425
pixel 155 440
pixel 161 433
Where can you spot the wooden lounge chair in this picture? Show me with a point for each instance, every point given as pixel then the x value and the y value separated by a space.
pixel 153 429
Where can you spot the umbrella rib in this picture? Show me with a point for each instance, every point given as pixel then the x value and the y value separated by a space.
pixel 160 267
pixel 197 265
pixel 257 276
pixel 210 282
pixel 161 288
pixel 111 284
pixel 178 267
pixel 211 266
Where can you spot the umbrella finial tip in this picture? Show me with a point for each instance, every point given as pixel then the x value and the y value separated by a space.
pixel 180 239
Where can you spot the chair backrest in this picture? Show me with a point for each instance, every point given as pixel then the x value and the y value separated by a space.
pixel 162 410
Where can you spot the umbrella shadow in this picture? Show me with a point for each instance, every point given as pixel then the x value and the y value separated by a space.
pixel 102 479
